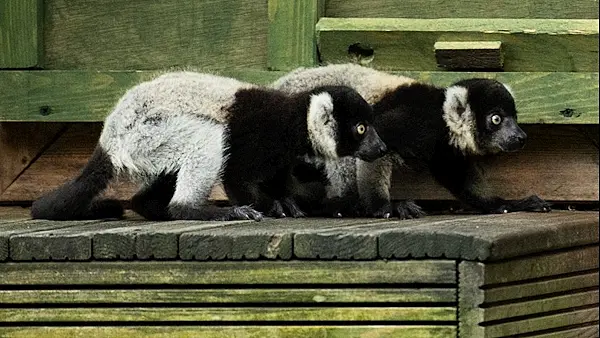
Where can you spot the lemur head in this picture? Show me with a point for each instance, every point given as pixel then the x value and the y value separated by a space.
pixel 340 124
pixel 482 118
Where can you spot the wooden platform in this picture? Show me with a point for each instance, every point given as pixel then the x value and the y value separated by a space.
pixel 440 276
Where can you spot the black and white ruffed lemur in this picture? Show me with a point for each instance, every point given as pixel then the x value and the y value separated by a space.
pixel 181 133
pixel 447 129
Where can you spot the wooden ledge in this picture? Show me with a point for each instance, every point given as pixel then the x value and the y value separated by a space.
pixel 468 237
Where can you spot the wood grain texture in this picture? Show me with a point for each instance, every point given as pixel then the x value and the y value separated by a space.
pixel 529 45
pixel 153 35
pixel 245 314
pixel 292 40
pixel 423 9
pixel 291 331
pixel 452 55
pixel 217 296
pixel 226 273
pixel 21 33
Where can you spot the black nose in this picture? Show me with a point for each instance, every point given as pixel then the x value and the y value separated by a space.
pixel 522 139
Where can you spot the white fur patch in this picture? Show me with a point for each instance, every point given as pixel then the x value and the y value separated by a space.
pixel 322 126
pixel 462 126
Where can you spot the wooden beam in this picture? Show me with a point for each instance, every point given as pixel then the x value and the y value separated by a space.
pixel 292 40
pixel 529 45
pixel 432 9
pixel 88 96
pixel 21 24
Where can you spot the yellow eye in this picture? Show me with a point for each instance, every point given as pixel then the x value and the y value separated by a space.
pixel 360 129
pixel 496 119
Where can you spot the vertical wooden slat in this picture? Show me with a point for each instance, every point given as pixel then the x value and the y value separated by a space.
pixel 20 33
pixel 291 39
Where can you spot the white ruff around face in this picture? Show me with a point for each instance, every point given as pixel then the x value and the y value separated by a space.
pixel 322 125
pixel 461 126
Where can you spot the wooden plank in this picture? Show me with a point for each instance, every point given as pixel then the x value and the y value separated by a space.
pixel 455 55
pixel 291 331
pixel 485 237
pixel 504 311
pixel 12 228
pixel 556 285
pixel 553 321
pixel 541 266
pixel 431 9
pixel 292 39
pixel 529 45
pixel 21 24
pixel 588 331
pixel 245 314
pixel 89 96
pixel 229 296
pixel 135 34
pixel 274 272
pixel 558 163
pixel 470 298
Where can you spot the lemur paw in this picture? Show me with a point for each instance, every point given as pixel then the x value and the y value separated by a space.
pixel 408 210
pixel 383 212
pixel 534 203
pixel 247 213
pixel 293 208
pixel 277 210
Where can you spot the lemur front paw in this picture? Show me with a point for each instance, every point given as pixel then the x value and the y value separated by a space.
pixel 246 213
pixel 384 211
pixel 532 203
pixel 276 210
pixel 408 210
pixel 293 208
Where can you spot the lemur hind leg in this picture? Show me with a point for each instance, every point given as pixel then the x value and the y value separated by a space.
pixel 152 201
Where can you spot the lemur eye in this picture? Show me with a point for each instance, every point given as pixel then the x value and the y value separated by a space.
pixel 360 129
pixel 496 119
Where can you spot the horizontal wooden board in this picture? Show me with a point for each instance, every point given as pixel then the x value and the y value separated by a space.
pixel 183 273
pixel 425 9
pixel 20 33
pixel 136 34
pixel 291 331
pixel 89 96
pixel 229 296
pixel 536 306
pixel 555 285
pixel 528 45
pixel 588 331
pixel 542 323
pixel 247 314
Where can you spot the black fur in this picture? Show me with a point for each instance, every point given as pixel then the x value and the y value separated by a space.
pixel 60 204
pixel 268 131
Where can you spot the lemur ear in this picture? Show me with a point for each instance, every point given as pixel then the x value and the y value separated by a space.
pixel 322 127
pixel 509 89
pixel 456 100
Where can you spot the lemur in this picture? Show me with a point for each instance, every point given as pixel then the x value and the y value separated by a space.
pixel 447 129
pixel 181 133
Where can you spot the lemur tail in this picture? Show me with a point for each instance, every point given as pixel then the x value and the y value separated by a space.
pixel 76 199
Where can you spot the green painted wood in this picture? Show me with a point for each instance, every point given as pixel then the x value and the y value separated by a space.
pixel 588 331
pixel 274 272
pixel 408 44
pixel 543 287
pixel 470 298
pixel 358 331
pixel 226 296
pixel 504 311
pixel 78 96
pixel 20 33
pixel 164 314
pixel 292 39
pixel 542 266
pixel 553 321
pixel 425 9
pixel 137 34
pixel 456 55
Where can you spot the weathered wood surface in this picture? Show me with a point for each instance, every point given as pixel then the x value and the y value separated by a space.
pixel 292 40
pixel 20 33
pixel 558 163
pixel 229 273
pixel 544 295
pixel 89 95
pixel 137 34
pixel 529 45
pixel 291 331
pixel 191 295
pixel 471 237
pixel 423 9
